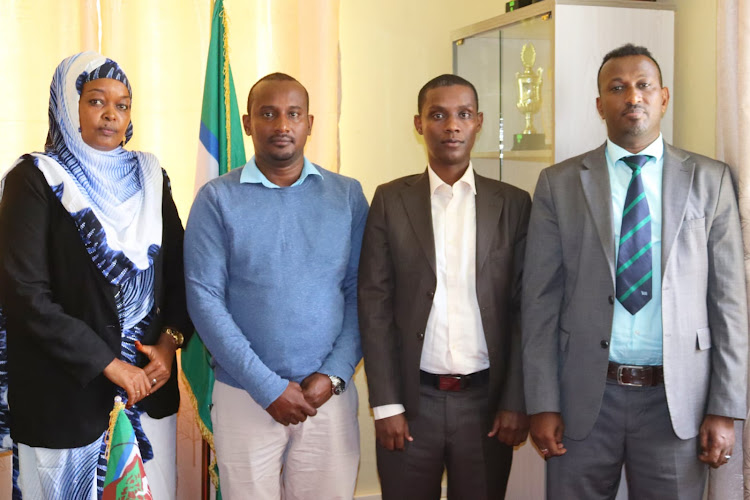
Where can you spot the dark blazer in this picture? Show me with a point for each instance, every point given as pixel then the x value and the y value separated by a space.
pixel 62 321
pixel 397 282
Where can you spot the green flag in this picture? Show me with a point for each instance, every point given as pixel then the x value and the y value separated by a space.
pixel 221 148
pixel 126 477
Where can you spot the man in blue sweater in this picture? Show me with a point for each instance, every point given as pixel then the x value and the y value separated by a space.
pixel 271 255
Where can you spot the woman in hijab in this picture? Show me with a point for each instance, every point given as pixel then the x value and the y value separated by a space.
pixel 91 290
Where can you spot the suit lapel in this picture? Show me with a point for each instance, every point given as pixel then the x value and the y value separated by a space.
pixel 416 199
pixel 598 194
pixel 489 206
pixel 677 179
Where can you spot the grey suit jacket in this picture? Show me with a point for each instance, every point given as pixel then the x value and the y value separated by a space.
pixel 397 282
pixel 569 289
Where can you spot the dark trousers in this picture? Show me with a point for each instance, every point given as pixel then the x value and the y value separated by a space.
pixel 633 429
pixel 450 433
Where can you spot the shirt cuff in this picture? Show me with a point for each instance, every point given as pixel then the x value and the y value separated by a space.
pixel 385 411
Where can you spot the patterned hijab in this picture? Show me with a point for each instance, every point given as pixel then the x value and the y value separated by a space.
pixel 122 189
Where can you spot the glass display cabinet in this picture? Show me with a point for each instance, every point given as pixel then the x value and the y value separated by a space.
pixel 535 72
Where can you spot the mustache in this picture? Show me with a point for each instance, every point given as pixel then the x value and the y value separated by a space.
pixel 285 137
pixel 632 107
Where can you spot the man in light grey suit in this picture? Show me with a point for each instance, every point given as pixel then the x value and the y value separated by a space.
pixel 634 307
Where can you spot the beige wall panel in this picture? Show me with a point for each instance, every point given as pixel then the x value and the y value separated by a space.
pixel 694 91
pixel 32 47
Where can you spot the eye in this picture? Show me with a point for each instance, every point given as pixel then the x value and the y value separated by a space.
pixel 464 114
pixel 95 102
pixel 123 107
pixel 267 114
pixel 294 114
pixel 438 116
pixel 644 85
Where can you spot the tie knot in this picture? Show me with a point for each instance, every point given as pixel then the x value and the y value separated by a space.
pixel 636 161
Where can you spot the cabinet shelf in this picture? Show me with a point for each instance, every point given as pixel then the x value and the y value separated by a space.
pixel 530 155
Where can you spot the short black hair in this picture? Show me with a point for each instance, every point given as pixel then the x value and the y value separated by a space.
pixel 276 77
pixel 446 80
pixel 625 51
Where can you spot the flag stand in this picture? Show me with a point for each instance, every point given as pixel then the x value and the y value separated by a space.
pixel 205 461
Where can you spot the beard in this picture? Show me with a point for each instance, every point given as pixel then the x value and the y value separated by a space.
pixel 638 129
pixel 282 155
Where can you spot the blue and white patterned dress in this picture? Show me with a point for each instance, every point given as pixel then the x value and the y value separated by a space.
pixel 115 199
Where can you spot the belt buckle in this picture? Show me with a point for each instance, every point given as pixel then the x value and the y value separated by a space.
pixel 619 375
pixel 449 383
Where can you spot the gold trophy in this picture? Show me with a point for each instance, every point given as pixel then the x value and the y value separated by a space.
pixel 529 100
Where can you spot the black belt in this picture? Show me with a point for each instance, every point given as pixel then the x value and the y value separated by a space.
pixel 454 382
pixel 634 375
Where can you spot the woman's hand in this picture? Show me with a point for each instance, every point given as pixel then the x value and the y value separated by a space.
pixel 160 358
pixel 132 379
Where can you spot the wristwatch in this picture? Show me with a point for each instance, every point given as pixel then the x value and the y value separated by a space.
pixel 176 336
pixel 337 385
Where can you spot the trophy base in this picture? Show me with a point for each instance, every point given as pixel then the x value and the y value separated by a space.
pixel 516 4
pixel 528 142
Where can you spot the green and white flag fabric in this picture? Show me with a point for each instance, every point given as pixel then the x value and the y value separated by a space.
pixel 221 148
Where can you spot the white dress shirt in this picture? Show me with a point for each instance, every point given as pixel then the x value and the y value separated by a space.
pixel 454 341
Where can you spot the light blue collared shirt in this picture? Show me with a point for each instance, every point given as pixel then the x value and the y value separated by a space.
pixel 252 174
pixel 637 338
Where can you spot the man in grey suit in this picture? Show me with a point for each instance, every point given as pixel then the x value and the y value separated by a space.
pixel 439 311
pixel 635 322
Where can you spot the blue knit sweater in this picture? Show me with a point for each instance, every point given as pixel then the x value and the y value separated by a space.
pixel 272 279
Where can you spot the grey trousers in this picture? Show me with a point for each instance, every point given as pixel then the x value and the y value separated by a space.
pixel 633 429
pixel 450 433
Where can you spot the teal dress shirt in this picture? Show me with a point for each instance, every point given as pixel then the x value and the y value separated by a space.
pixel 637 338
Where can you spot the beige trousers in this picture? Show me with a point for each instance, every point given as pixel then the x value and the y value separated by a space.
pixel 260 458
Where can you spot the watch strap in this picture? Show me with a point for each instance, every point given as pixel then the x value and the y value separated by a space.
pixel 176 335
pixel 337 385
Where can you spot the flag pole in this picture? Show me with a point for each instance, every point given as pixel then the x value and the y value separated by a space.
pixel 205 461
pixel 205 448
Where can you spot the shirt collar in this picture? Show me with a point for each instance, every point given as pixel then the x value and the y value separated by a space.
pixel 467 178
pixel 655 149
pixel 251 174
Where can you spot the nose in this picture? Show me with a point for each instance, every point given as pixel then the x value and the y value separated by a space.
pixel 282 124
pixel 451 123
pixel 633 95
pixel 108 112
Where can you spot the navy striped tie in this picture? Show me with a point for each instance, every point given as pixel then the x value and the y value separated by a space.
pixel 634 258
